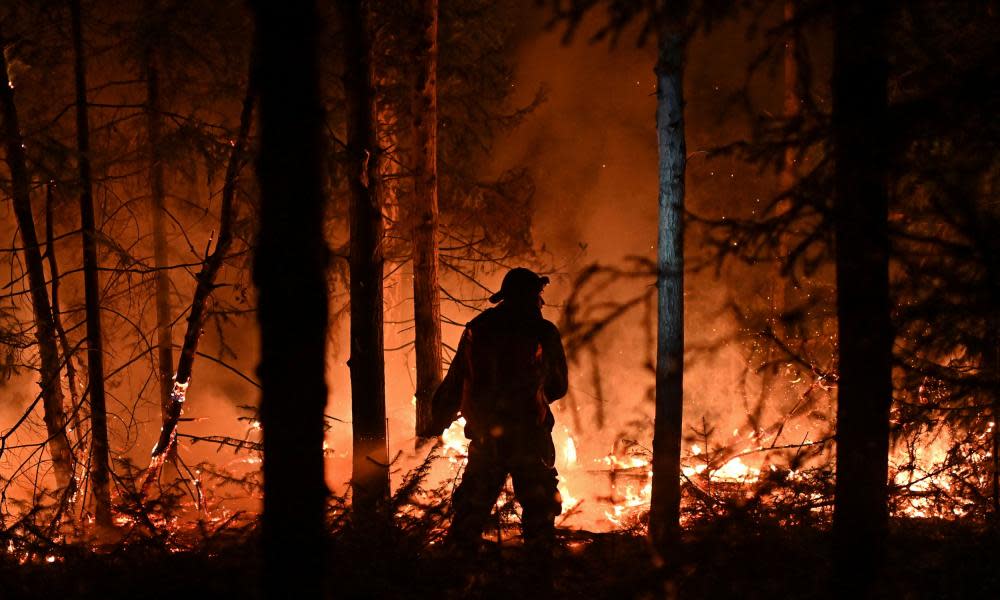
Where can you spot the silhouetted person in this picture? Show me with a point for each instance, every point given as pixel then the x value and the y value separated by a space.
pixel 509 366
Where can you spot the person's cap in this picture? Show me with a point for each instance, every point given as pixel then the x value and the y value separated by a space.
pixel 520 282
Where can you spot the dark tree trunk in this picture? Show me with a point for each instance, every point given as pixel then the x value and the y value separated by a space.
pixel 69 361
pixel 426 298
pixel 791 108
pixel 370 477
pixel 664 515
pixel 289 271
pixel 164 336
pixel 50 381
pixel 860 107
pixel 791 103
pixel 990 369
pixel 198 311
pixel 100 479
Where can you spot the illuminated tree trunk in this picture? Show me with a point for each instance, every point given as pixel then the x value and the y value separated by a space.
pixel 426 298
pixel 370 477
pixel 164 336
pixel 664 515
pixel 45 330
pixel 860 147
pixel 290 264
pixel 100 480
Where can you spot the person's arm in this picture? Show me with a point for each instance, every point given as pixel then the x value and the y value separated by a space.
pixel 556 371
pixel 447 398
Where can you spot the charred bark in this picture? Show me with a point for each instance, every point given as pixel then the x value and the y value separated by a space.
pixel 290 263
pixel 664 515
pixel 45 329
pixel 370 477
pixel 206 277
pixel 100 469
pixel 426 298
pixel 860 147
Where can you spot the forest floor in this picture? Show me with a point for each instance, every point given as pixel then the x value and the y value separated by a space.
pixel 724 560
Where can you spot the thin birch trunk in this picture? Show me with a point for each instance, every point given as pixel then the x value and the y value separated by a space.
pixel 664 516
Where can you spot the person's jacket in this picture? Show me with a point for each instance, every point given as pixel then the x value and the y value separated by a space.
pixel 509 366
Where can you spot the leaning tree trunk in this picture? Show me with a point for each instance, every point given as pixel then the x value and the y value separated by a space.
pixel 426 298
pixel 99 460
pixel 198 311
pixel 370 477
pixel 664 515
pixel 860 148
pixel 290 264
pixel 45 328
pixel 157 192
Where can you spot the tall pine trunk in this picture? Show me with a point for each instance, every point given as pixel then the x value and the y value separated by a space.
pixel 860 147
pixel 50 381
pixel 157 192
pixel 370 477
pixel 290 264
pixel 426 298
pixel 664 515
pixel 100 480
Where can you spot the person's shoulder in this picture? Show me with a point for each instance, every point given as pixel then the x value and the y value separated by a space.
pixel 486 316
pixel 549 328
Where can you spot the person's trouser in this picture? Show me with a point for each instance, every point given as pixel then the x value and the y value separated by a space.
pixel 529 457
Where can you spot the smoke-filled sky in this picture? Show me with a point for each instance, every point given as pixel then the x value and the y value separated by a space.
pixel 591 150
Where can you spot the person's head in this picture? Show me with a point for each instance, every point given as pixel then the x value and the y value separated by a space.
pixel 522 287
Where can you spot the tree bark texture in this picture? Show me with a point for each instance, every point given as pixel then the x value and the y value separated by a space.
pixel 370 477
pixel 100 479
pixel 860 146
pixel 50 381
pixel 426 297
pixel 289 271
pixel 664 516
